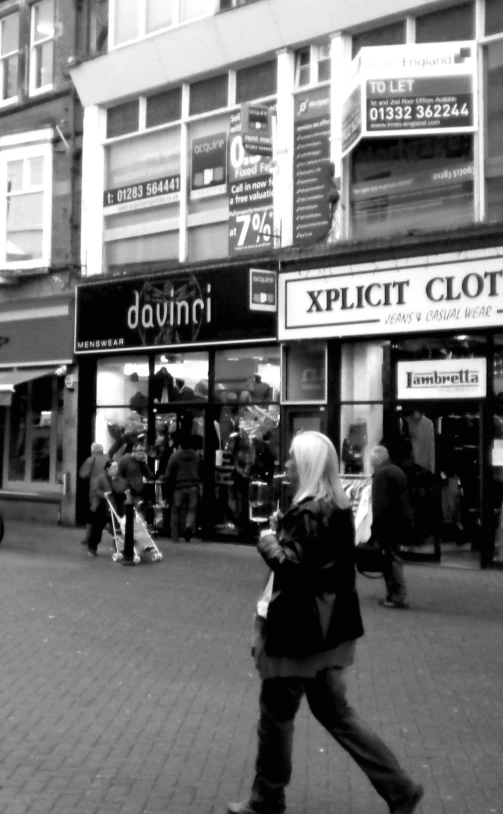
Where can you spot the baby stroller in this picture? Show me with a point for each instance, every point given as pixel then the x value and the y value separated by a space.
pixel 144 546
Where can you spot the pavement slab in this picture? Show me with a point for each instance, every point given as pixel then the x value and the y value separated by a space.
pixel 132 690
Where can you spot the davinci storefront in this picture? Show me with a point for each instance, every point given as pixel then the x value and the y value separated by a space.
pixel 185 352
pixel 414 359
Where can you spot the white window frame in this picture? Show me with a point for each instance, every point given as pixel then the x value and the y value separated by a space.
pixel 52 485
pixel 142 21
pixel 43 151
pixel 33 90
pixel 9 100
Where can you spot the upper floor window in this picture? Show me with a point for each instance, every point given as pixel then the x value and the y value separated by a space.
pixel 447 24
pixel 312 64
pixel 149 16
pixel 42 46
pixel 392 34
pixel 9 54
pixel 25 206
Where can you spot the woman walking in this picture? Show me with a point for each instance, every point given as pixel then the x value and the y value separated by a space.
pixel 308 622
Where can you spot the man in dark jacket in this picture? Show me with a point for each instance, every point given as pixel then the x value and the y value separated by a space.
pixel 391 522
pixel 91 469
pixel 183 474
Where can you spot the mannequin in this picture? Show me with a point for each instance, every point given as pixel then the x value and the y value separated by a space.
pixel 422 437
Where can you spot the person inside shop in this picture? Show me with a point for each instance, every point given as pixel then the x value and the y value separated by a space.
pixel 391 523
pixel 109 486
pixel 91 469
pixel 263 463
pixel 353 448
pixel 422 491
pixel 242 463
pixel 183 476
pixel 258 390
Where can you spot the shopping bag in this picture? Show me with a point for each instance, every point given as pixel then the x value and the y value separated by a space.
pixel 370 559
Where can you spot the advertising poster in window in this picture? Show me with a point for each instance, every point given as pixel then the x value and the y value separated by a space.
pixel 208 166
pixel 416 89
pixel 311 213
pixel 142 173
pixel 251 217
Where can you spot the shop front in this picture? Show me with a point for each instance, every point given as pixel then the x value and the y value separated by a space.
pixel 186 354
pixel 414 362
pixel 37 410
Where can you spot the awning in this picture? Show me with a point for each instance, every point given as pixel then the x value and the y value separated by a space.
pixel 10 378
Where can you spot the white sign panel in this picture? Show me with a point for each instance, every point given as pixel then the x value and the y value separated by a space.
pixel 411 90
pixel 414 295
pixel 442 379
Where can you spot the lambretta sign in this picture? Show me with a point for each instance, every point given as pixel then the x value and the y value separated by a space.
pixel 419 295
pixel 442 379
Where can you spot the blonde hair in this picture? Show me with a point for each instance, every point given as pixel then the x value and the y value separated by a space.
pixel 318 469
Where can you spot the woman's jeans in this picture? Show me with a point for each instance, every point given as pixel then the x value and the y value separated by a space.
pixel 326 695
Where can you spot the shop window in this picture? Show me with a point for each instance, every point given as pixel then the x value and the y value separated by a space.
pixel 25 174
pixel 9 55
pixel 383 168
pixel 324 63
pixel 247 385
pixel 180 393
pixel 447 25
pixel 42 46
pixel 145 249
pixel 393 34
pixel 209 94
pixel 123 119
pixel 365 371
pixel 494 17
pixel 164 108
pixel 34 434
pixel 494 141
pixel 305 369
pixel 256 81
pixel 122 399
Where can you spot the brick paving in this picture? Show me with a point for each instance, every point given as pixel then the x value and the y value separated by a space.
pixel 131 690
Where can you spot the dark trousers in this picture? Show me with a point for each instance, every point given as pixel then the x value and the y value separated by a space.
pixel 396 589
pixel 99 519
pixel 184 501
pixel 326 695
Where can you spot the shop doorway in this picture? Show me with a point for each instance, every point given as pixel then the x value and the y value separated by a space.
pixel 440 448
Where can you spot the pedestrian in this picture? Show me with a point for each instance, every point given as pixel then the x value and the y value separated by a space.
pixel 91 469
pixel 134 469
pixel 183 474
pixel 391 523
pixel 308 621
pixel 108 485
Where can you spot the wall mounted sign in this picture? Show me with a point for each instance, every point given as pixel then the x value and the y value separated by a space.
pixel 442 379
pixel 411 90
pixel 446 292
pixel 262 290
pixel 311 209
pixel 208 166
pixel 251 217
pixel 257 130
pixel 169 310
pixel 142 195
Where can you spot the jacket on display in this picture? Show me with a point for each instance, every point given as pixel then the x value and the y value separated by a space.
pixel 314 605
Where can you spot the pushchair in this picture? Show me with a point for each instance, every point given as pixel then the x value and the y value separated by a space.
pixel 144 546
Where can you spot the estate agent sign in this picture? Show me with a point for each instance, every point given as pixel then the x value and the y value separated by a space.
pixel 448 292
pixel 171 310
pixel 398 90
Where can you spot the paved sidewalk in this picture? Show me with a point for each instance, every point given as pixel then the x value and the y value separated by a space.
pixel 131 690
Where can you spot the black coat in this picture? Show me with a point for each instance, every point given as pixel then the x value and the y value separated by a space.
pixel 391 510
pixel 313 559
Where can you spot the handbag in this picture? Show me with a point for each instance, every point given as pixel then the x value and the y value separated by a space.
pixel 370 559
